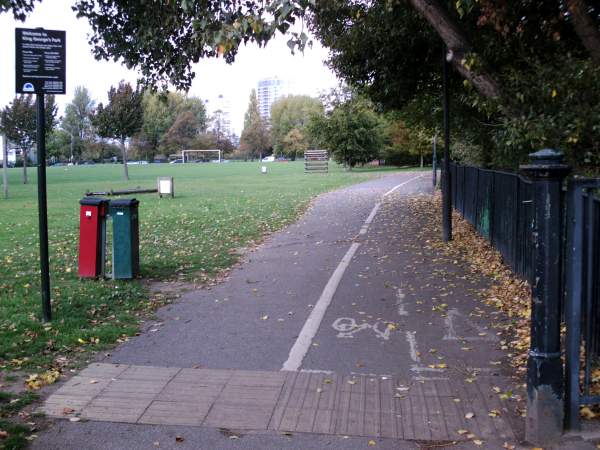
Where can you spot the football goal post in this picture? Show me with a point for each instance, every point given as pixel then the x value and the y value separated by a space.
pixel 192 155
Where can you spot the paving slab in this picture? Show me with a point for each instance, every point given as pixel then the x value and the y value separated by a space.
pixel 347 405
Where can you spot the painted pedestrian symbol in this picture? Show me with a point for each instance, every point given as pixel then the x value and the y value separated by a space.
pixel 347 328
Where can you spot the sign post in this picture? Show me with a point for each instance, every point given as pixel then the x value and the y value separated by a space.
pixel 5 165
pixel 40 63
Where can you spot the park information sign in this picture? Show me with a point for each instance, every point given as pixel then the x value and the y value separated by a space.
pixel 40 69
pixel 40 61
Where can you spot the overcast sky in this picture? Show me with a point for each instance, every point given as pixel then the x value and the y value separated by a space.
pixel 307 73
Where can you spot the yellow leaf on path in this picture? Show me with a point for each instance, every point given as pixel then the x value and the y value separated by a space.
pixel 587 413
pixel 372 443
pixel 81 341
pixel 265 317
pixel 494 413
pixel 462 431
pixel 391 326
pixel 469 415
pixel 477 442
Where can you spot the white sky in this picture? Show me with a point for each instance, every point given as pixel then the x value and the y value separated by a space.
pixel 307 73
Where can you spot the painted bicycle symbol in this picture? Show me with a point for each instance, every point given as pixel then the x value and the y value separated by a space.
pixel 347 328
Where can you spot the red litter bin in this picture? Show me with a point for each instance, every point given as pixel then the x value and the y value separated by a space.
pixel 92 236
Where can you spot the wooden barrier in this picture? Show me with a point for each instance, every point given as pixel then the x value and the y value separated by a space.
pixel 316 161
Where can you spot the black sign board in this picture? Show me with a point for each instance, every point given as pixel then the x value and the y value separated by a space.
pixel 40 61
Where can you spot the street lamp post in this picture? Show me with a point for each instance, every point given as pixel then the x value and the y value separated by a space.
pixel 446 182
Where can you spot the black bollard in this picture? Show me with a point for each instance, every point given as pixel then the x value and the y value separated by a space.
pixel 545 386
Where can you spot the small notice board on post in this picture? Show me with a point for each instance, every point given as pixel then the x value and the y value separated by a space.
pixel 40 68
pixel 40 61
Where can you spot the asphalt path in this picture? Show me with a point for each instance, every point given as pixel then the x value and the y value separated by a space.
pixel 370 320
pixel 252 320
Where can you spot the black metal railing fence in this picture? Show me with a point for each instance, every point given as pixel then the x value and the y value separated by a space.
pixel 500 206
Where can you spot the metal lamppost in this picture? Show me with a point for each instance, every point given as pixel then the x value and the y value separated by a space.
pixel 446 182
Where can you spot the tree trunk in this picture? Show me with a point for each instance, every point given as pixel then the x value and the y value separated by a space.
pixel 457 42
pixel 124 152
pixel 421 160
pixel 24 155
pixel 585 28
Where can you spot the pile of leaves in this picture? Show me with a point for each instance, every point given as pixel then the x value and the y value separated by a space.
pixel 507 292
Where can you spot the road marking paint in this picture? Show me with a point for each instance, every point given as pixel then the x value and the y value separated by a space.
pixel 418 368
pixel 401 184
pixel 347 327
pixel 400 296
pixel 372 215
pixel 326 372
pixel 422 378
pixel 312 324
pixel 451 332
pixel 412 344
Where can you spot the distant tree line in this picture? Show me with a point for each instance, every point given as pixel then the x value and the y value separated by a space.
pixel 133 124
pixel 343 122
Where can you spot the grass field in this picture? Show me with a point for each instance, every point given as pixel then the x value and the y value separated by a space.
pixel 218 208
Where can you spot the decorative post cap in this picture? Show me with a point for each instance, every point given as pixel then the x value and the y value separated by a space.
pixel 545 164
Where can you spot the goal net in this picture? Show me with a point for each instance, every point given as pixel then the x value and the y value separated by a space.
pixel 188 156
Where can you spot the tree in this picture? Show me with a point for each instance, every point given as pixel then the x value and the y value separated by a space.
pixel 255 136
pixel 294 143
pixel 77 120
pixel 121 118
pixel 160 113
pixel 415 141
pixel 19 124
pixel 352 131
pixel 391 51
pixel 289 113
pixel 182 133
pixel 524 76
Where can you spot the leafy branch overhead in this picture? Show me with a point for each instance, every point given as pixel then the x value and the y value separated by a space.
pixel 163 42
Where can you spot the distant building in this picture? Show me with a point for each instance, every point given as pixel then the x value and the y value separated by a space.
pixel 269 90
pixel 220 116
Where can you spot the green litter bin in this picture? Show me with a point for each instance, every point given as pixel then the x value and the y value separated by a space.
pixel 126 238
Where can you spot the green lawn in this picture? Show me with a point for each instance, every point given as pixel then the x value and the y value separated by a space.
pixel 218 208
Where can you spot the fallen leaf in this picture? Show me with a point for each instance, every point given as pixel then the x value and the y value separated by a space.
pixel 469 415
pixel 74 419
pixel 477 442
pixel 587 413
pixel 372 443
pixel 265 317
pixel 179 439
pixel 3 434
pixel 494 413
pixel 461 432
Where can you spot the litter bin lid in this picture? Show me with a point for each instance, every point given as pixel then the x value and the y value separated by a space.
pixel 124 203
pixel 93 201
